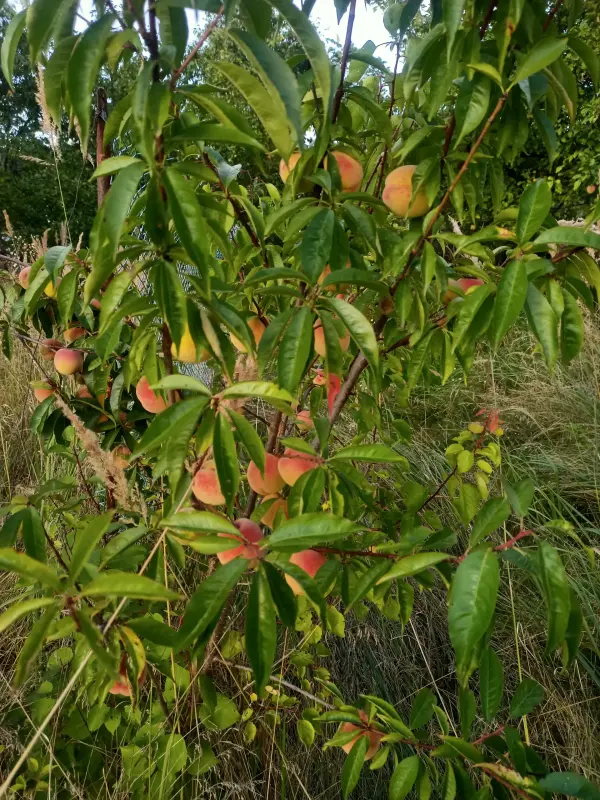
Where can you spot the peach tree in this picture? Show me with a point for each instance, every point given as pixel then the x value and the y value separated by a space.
pixel 383 258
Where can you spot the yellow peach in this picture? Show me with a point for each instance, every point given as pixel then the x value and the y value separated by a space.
pixel 293 464
pixel 398 191
pixel 68 362
pixel 310 561
pixel 271 482
pixel 351 171
pixel 150 401
pixel 206 486
pixel 257 327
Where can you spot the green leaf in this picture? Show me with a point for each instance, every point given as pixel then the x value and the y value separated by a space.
pixel 589 57
pixel 411 565
pixel 370 453
pixel 283 596
pixel 54 76
pixel 213 132
pixel 472 605
pixel 534 207
pixel 12 35
pixel 115 583
pixel 557 593
pixel 187 217
pixel 19 610
pixel 110 166
pixel 121 542
pixel 85 542
pixel 45 18
pixel 359 327
pixel 422 708
pixel 468 309
pixel 34 643
pixel 510 299
pixel 171 758
pixel 404 777
pixel 454 746
pixel 82 72
pixel 491 683
pixel 541 55
pixel 184 382
pixel 471 105
pixel 308 530
pixel 527 696
pixel 571 328
pixel 316 244
pixel 571 784
pixel 490 518
pixel 108 227
pixel 261 630
pixel 249 438
pixel 164 423
pixel 353 765
pixel 208 600
pixel 226 460
pixel 467 710
pixel 487 69
pixel 306 732
pixel 94 638
pixel 543 323
pixel 267 106
pixel 520 496
pixel 574 632
pixel 66 295
pixel 170 298
pixel 418 359
pixel 294 349
pixel 451 14
pixel 29 568
pixel 33 535
pixel 367 580
pixel 270 392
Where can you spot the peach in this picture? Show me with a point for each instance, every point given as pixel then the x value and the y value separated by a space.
pixel 51 288
pixel 48 348
pixel 206 486
pixel 268 517
pixel 187 350
pixel 83 393
pixel 351 171
pixel 150 401
pixel 42 391
pixel 72 334
pixel 285 169
pixel 304 421
pixel 95 303
pixel 320 347
pixel 121 685
pixel 374 736
pixel 119 456
pixel 23 277
pixel 257 327
pixel 310 561
pixel 294 464
pixel 466 284
pixel 319 379
pixel 250 535
pixel 326 272
pixel 398 191
pixel 68 362
pixel 271 482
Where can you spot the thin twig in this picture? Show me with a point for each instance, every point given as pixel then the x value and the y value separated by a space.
pixel 194 51
pixel 550 16
pixel 337 101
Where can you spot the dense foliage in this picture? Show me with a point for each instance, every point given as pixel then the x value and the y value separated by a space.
pixel 350 281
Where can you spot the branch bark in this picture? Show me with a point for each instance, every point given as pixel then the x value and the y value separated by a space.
pixel 337 100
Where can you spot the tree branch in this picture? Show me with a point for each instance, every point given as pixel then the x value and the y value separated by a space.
pixel 337 100
pixel 551 15
pixel 194 51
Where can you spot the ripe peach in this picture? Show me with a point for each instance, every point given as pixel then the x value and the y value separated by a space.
pixel 43 390
pixel 285 169
pixel 51 288
pixel 320 347
pixel 48 348
pixel 304 420
pixel 319 379
pixel 590 189
pixel 250 534
pixel 95 303
pixel 151 402
pixel 206 486
pixel 187 350
pixel 257 328
pixel 398 191
pixel 83 393
pixel 271 482
pixel 23 277
pixel 310 561
pixel 351 171
pixel 374 736
pixel 72 334
pixel 466 284
pixel 326 272
pixel 293 464
pixel 268 517
pixel 68 362
pixel 119 456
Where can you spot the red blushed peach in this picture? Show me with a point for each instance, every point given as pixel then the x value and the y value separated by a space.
pixel 319 379
pixel 271 482
pixel 257 328
pixel 95 303
pixel 68 362
pixel 285 169
pixel 351 171
pixel 250 534
pixel 83 393
pixel 375 737
pixel 320 347
pixel 72 334
pixel 23 277
pixel 466 284
pixel 48 348
pixel 150 402
pixel 304 421
pixel 42 391
pixel 206 487
pixel 268 517
pixel 398 191
pixel 310 561
pixel 119 456
pixel 293 464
